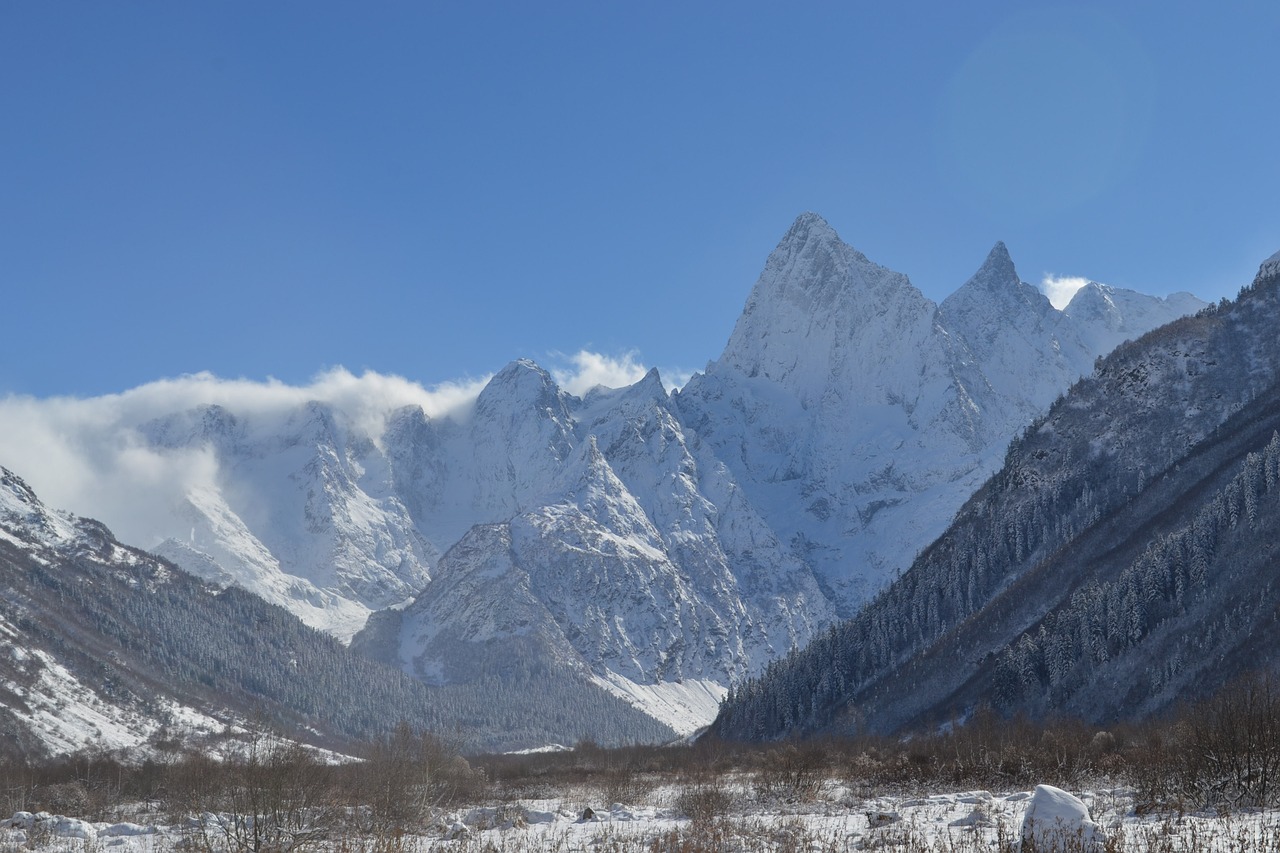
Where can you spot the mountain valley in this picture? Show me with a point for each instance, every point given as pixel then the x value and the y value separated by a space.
pixel 634 552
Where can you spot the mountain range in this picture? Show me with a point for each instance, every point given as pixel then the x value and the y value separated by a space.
pixel 648 546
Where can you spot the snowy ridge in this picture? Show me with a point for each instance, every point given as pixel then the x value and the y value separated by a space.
pixel 24 520
pixel 50 704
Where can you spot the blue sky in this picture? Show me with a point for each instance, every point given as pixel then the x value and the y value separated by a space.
pixel 433 189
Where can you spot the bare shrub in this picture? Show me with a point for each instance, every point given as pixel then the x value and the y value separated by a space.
pixel 1232 746
pixel 406 778
pixel 624 783
pixel 278 798
pixel 793 772
pixel 1150 763
pixel 703 802
pixel 65 798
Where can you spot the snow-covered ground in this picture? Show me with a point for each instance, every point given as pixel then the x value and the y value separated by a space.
pixel 838 818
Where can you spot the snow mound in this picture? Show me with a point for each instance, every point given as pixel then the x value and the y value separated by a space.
pixel 1058 821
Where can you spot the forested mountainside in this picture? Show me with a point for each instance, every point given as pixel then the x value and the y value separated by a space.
pixel 105 646
pixel 1122 558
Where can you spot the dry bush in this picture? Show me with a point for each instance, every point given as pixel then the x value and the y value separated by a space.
pixel 64 798
pixel 792 772
pixel 1148 762
pixel 277 797
pixel 703 802
pixel 85 784
pixel 406 777
pixel 1231 747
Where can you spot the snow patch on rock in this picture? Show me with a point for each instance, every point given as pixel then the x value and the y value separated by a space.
pixel 686 706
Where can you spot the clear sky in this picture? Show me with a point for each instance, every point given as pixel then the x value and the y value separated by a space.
pixel 431 189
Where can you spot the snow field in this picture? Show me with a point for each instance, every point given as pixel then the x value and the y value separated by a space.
pixel 836 819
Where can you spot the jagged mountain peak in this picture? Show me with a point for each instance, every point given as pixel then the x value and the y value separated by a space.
pixel 649 390
pixel 998 268
pixel 995 292
pixel 316 422
pixel 1092 294
pixel 811 260
pixel 521 372
pixel 522 383
pixel 587 488
pixel 651 380
pixel 809 227
pixel 211 423
pixel 1107 315
pixel 20 507
pixel 817 300
pixel 586 472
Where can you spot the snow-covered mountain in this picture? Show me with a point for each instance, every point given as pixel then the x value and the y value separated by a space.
pixel 858 415
pixel 602 534
pixel 103 646
pixel 1123 559
pixel 657 545
pixel 304 513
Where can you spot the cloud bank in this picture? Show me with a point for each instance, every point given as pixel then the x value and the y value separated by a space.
pixel 585 370
pixel 86 455
pixel 588 369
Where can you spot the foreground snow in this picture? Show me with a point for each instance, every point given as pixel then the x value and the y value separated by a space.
pixel 838 818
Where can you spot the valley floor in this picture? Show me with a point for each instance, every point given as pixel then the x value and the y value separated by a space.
pixel 716 815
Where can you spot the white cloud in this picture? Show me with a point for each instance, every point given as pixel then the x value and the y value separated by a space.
pixel 587 369
pixel 1060 289
pixel 86 455
pixel 590 369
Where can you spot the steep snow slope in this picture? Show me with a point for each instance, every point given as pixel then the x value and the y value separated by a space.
pixel 624 570
pixel 859 416
pixel 304 514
